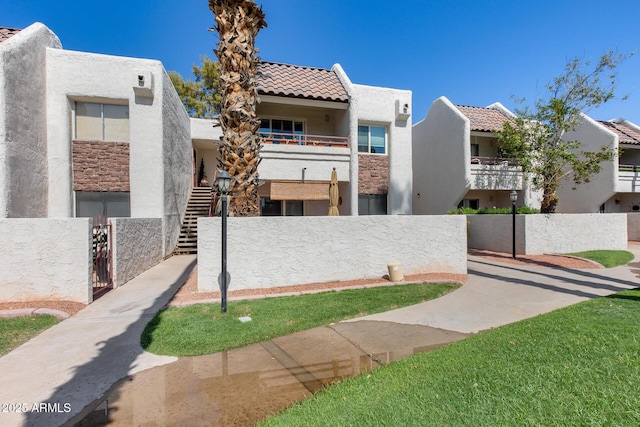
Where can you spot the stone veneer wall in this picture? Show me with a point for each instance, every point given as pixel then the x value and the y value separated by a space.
pixel 100 166
pixel 373 174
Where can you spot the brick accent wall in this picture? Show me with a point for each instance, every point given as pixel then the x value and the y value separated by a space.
pixel 100 166
pixel 373 174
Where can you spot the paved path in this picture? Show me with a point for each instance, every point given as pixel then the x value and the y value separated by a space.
pixel 499 293
pixel 77 361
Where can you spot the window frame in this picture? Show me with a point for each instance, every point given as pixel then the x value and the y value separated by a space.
pixel 386 138
pixel 293 121
pixel 102 120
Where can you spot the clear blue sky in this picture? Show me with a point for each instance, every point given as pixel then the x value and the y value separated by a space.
pixel 474 52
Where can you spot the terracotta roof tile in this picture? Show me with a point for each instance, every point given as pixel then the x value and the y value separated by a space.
pixel 299 82
pixel 626 134
pixel 484 119
pixel 6 33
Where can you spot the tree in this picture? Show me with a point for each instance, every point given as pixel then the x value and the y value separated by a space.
pixel 201 97
pixel 238 23
pixel 538 138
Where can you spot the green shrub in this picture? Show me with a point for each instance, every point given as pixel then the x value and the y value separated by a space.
pixel 481 211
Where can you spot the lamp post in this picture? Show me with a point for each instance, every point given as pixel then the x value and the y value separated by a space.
pixel 224 184
pixel 514 197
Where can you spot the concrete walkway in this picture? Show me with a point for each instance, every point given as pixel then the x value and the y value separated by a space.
pixel 79 360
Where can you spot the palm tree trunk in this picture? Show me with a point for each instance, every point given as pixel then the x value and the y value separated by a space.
pixel 238 23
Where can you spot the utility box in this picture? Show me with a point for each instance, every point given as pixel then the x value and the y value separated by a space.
pixel 395 271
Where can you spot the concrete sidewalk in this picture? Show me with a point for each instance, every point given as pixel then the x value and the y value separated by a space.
pixel 497 294
pixel 79 360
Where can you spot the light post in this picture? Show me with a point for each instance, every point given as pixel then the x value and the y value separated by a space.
pixel 514 197
pixel 224 184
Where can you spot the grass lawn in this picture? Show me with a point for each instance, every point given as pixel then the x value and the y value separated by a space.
pixel 203 329
pixel 15 331
pixel 608 258
pixel 577 366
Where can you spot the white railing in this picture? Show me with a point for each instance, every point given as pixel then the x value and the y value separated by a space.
pixel 304 139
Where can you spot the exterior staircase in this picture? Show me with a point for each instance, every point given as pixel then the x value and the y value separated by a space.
pixel 197 207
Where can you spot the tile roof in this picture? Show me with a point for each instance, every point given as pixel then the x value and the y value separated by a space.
pixel 626 134
pixel 299 82
pixel 6 33
pixel 484 119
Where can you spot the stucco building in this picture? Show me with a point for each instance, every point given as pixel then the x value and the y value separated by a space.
pixel 617 187
pixel 456 163
pixel 84 134
pixel 314 120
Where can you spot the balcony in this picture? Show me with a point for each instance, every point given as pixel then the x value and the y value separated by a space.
pixel 304 139
pixel 495 173
pixel 628 178
pixel 493 161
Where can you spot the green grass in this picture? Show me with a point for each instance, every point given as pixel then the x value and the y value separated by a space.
pixel 578 366
pixel 15 331
pixel 607 258
pixel 202 329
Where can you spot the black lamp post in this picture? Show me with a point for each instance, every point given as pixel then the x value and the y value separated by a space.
pixel 224 184
pixel 514 197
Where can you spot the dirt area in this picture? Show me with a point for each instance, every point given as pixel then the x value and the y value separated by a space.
pixel 189 291
pixel 555 261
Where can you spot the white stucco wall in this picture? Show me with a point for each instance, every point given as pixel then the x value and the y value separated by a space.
pixel 177 155
pixel 441 156
pixel 45 259
pixel 286 162
pixel 495 233
pixel 160 145
pixel 549 234
pixel 633 226
pixel 23 133
pixel 137 246
pixel 378 106
pixel 588 197
pixel 295 250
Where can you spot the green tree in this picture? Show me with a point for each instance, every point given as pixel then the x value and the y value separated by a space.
pixel 200 96
pixel 538 136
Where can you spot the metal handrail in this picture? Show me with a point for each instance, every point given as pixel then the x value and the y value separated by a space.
pixel 304 139
pixel 494 161
pixel 628 168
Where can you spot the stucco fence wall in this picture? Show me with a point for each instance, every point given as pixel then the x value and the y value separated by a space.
pixel 45 259
pixel 51 259
pixel 137 246
pixel 266 252
pixel 633 226
pixel 548 234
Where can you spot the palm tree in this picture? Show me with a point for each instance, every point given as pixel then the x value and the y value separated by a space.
pixel 238 23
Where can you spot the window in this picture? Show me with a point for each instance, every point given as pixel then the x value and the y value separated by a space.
pixel 469 203
pixel 475 150
pixel 112 204
pixel 372 204
pixel 372 139
pixel 102 122
pixel 270 207
pixel 280 128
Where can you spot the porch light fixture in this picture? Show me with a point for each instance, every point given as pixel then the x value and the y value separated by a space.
pixel 224 184
pixel 514 197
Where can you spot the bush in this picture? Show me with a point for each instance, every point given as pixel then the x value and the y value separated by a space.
pixel 481 211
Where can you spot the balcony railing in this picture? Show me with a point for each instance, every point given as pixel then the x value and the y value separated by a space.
pixel 304 139
pixel 629 168
pixel 494 161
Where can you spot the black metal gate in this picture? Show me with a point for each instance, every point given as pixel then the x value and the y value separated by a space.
pixel 102 260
